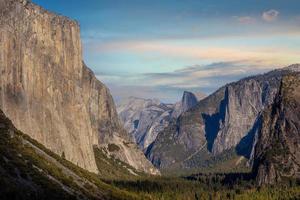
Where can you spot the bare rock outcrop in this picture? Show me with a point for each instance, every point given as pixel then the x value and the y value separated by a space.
pixel 188 101
pixel 277 154
pixel 48 92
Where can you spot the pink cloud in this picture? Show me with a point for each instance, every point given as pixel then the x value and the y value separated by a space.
pixel 216 53
pixel 246 20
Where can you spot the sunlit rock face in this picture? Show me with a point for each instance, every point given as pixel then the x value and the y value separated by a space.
pixel 188 101
pixel 48 92
pixel 227 119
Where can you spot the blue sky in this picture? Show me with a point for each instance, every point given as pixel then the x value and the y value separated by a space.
pixel 159 48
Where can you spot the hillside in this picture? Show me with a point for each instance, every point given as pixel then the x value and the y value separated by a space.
pixel 30 171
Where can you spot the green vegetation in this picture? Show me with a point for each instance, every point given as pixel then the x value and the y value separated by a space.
pixel 203 161
pixel 107 191
pixel 28 170
pixel 21 169
pixel 112 168
pixel 206 186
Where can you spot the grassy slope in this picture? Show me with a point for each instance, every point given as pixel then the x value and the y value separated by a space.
pixel 112 168
pixel 30 171
pixel 204 162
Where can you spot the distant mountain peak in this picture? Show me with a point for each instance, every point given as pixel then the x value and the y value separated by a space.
pixel 145 118
pixel 188 100
pixel 198 95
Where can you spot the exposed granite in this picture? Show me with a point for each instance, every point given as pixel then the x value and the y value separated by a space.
pixel 46 89
pixel 144 119
pixel 227 119
pixel 277 154
pixel 188 101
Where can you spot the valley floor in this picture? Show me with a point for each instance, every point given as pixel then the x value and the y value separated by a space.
pixel 206 188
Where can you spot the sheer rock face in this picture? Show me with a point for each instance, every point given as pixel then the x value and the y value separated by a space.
pixel 242 103
pixel 47 91
pixel 227 119
pixel 277 152
pixel 188 101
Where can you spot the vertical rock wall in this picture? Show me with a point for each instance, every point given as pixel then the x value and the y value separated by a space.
pixel 46 89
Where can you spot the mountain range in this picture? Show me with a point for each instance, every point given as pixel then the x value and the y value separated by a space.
pixel 62 136
pixel 219 132
pixel 144 119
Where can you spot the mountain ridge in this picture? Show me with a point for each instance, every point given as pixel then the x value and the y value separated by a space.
pixel 213 118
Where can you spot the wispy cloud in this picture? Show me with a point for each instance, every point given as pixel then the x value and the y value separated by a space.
pixel 270 55
pixel 201 75
pixel 170 86
pixel 246 20
pixel 270 15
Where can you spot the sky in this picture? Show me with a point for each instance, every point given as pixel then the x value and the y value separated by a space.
pixel 160 48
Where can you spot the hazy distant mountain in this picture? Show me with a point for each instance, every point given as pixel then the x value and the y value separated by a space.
pixel 188 101
pixel 145 118
pixel 222 126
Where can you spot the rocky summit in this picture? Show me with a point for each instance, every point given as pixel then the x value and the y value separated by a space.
pixel 50 94
pixel 144 119
pixel 188 101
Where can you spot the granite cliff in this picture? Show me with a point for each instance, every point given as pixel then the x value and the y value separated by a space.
pixel 188 101
pixel 223 124
pixel 276 153
pixel 49 93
